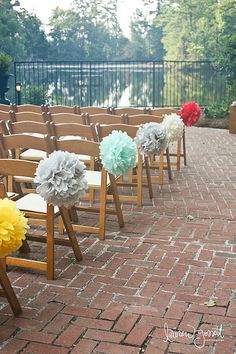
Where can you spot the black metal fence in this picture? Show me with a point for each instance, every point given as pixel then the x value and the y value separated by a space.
pixel 121 83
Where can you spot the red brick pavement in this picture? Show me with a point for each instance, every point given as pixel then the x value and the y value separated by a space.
pixel 157 272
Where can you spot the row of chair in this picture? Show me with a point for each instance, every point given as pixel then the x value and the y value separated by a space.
pixel 88 110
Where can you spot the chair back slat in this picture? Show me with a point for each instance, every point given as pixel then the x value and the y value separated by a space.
pixel 95 110
pixel 128 110
pixel 28 127
pixel 62 109
pixel 104 130
pixel 15 167
pixel 73 129
pixel 28 108
pixel 104 119
pixel 5 107
pixel 143 118
pixel 23 141
pixel 27 116
pixel 58 118
pixel 83 147
pixel 162 111
pixel 4 115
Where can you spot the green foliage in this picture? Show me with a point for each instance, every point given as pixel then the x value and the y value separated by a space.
pixel 5 62
pixel 35 95
pixel 218 110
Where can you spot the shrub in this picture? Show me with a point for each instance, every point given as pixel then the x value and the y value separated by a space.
pixel 35 95
pixel 218 110
pixel 5 62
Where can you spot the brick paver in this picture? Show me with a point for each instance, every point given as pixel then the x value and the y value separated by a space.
pixel 144 288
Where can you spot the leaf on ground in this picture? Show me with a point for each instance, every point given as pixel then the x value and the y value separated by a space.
pixel 210 303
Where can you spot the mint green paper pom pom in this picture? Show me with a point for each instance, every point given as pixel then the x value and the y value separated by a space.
pixel 118 153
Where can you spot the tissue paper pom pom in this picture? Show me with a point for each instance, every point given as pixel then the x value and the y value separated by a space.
pixel 118 153
pixel 174 126
pixel 152 138
pixel 190 113
pixel 13 227
pixel 60 178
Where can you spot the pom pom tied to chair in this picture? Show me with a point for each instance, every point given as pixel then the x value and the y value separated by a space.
pixel 174 126
pixel 190 113
pixel 152 138
pixel 61 178
pixel 118 153
pixel 13 227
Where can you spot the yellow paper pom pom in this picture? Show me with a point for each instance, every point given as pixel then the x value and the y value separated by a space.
pixel 13 227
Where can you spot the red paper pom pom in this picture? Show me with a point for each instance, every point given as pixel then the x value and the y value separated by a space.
pixel 190 113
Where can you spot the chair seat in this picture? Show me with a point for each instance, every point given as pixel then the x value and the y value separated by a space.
pixel 33 154
pixel 34 203
pixel 94 179
pixel 11 195
pixel 37 155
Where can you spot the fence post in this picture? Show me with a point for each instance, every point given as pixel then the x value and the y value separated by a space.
pixel 232 118
pixel 90 84
pixel 153 85
pixel 15 82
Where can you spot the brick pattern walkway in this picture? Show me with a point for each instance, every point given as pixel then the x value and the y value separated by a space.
pixel 148 279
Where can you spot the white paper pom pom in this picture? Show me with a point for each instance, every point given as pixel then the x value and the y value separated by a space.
pixel 174 126
pixel 152 138
pixel 60 178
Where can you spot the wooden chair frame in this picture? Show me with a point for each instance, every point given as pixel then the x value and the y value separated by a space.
pixel 147 118
pixel 180 143
pixel 128 110
pixel 92 148
pixel 104 130
pixel 6 288
pixel 9 167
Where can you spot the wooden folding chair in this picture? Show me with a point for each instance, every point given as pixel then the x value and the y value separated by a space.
pixel 62 109
pixel 99 180
pixel 6 288
pixel 59 118
pixel 178 154
pixel 94 110
pixel 77 131
pixel 28 116
pixel 28 108
pixel 36 147
pixel 34 207
pixel 104 130
pixel 147 118
pixel 104 119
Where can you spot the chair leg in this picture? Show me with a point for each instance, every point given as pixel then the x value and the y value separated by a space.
pixel 71 234
pixel 161 168
pixel 168 164
pixel 148 174
pixel 184 149
pixel 9 292
pixel 50 242
pixel 103 200
pixel 178 154
pixel 139 180
pixel 116 201
pixel 25 248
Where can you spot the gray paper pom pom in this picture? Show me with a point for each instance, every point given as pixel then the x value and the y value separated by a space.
pixel 152 138
pixel 60 178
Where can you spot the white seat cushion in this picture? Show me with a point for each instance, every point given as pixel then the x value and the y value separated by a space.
pixel 34 203
pixel 94 178
pixel 33 154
